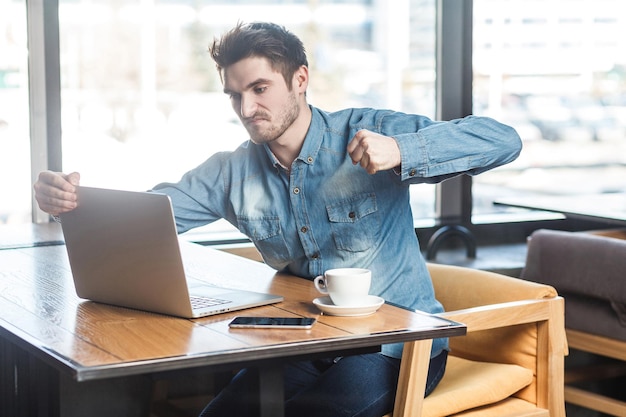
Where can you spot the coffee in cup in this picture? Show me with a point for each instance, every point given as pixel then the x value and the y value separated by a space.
pixel 346 287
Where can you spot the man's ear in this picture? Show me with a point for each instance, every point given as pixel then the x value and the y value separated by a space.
pixel 301 79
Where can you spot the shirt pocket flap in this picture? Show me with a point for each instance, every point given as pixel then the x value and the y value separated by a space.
pixel 259 228
pixel 353 209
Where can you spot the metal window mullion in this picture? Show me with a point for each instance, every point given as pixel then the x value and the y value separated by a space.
pixel 44 90
pixel 453 202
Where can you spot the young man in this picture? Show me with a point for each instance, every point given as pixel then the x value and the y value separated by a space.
pixel 314 191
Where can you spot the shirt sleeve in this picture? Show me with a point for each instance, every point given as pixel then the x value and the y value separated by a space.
pixel 198 198
pixel 441 150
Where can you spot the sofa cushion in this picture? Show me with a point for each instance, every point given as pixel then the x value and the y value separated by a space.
pixel 593 315
pixel 578 263
pixel 589 271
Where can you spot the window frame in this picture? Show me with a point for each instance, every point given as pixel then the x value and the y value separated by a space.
pixel 44 89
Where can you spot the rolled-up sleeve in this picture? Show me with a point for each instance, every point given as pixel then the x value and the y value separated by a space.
pixel 470 145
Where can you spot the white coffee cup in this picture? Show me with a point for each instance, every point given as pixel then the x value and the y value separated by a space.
pixel 347 287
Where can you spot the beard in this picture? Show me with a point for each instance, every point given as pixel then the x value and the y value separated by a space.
pixel 260 133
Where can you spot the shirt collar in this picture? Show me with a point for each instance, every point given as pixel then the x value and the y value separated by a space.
pixel 311 145
pixel 313 139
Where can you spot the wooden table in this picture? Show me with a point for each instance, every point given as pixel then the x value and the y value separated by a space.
pixel 27 235
pixel 57 348
pixel 607 208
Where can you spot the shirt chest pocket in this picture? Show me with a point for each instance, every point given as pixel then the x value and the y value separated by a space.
pixel 267 236
pixel 354 223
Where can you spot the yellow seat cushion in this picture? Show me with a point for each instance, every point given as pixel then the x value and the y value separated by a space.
pixel 508 406
pixel 470 384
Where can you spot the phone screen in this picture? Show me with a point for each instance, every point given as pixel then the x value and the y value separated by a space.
pixel 273 322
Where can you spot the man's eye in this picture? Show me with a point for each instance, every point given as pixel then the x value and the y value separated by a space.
pixel 260 90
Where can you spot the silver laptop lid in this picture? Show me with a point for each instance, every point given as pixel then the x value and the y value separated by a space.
pixel 123 250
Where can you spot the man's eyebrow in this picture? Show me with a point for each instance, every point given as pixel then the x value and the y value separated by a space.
pixel 257 82
pixel 250 85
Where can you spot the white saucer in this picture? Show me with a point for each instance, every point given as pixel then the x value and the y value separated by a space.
pixel 371 305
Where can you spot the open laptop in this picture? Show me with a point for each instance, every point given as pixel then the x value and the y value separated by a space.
pixel 124 250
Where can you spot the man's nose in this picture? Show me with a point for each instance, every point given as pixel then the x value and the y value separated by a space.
pixel 248 106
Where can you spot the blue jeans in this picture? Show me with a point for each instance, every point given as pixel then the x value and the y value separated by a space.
pixel 353 386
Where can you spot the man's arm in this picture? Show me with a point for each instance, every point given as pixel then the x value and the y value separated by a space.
pixel 421 150
pixel 436 151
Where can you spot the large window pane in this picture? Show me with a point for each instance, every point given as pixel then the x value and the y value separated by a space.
pixel 556 71
pixel 142 102
pixel 15 203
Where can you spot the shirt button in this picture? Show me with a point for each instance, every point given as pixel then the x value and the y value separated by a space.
pixel 304 229
pixel 296 190
pixel 309 159
pixel 352 215
pixel 315 256
pixel 412 172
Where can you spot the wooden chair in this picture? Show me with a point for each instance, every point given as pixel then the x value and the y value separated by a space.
pixel 589 271
pixel 510 363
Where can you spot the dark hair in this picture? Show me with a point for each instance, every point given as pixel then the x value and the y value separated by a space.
pixel 282 48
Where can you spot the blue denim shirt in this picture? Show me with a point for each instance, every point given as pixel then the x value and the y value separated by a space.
pixel 329 213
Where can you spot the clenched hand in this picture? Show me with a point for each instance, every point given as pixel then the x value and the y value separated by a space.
pixel 374 152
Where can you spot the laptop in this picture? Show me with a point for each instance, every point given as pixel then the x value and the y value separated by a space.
pixel 124 250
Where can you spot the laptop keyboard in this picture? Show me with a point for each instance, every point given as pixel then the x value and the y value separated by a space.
pixel 203 302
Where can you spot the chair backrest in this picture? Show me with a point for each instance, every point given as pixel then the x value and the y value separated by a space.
pixel 463 288
pixel 589 271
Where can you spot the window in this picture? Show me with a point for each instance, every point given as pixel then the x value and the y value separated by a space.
pixel 15 179
pixel 565 94
pixel 141 102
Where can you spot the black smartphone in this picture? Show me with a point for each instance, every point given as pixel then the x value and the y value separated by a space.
pixel 272 322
